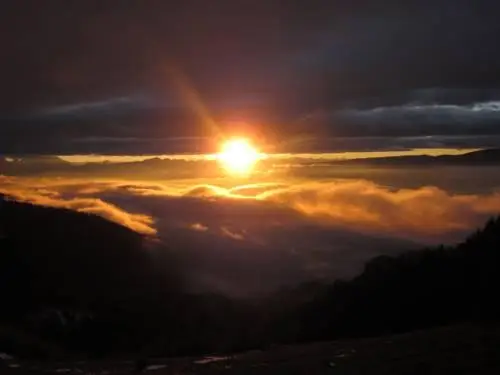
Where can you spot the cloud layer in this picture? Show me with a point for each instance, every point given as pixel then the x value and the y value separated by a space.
pixel 359 205
pixel 259 237
pixel 38 192
pixel 138 126
pixel 413 119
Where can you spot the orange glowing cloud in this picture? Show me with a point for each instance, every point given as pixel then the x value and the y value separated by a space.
pixel 51 197
pixel 424 213
pixel 405 212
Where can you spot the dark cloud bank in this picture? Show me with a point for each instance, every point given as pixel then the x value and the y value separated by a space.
pixel 93 77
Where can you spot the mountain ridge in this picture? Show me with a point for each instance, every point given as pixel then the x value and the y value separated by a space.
pixel 479 157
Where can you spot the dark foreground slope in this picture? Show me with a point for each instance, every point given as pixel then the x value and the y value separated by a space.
pixel 78 285
pixel 452 350
pixel 73 284
pixel 76 280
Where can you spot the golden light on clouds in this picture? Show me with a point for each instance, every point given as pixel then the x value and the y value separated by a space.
pixel 238 156
pixel 428 214
pixel 348 155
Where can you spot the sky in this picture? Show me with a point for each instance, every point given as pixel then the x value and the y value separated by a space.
pixel 146 89
pixel 130 78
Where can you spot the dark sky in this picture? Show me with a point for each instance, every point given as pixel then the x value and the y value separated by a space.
pixel 103 76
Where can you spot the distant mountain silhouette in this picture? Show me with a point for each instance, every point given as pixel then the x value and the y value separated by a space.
pixel 54 165
pixel 481 157
pixel 31 164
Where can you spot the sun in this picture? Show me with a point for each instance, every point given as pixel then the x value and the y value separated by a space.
pixel 238 156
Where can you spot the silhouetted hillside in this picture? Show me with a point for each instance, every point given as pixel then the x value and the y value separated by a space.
pixel 85 285
pixel 92 286
pixel 415 290
pixel 69 257
pixel 64 274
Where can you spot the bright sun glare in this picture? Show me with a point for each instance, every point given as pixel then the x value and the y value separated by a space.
pixel 238 157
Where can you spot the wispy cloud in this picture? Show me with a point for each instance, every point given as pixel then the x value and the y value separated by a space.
pixel 417 119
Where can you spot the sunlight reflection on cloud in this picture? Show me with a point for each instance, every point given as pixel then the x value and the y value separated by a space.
pixel 260 236
pixel 356 204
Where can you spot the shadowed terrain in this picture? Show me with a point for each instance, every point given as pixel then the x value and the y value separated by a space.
pixel 76 287
pixel 462 349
